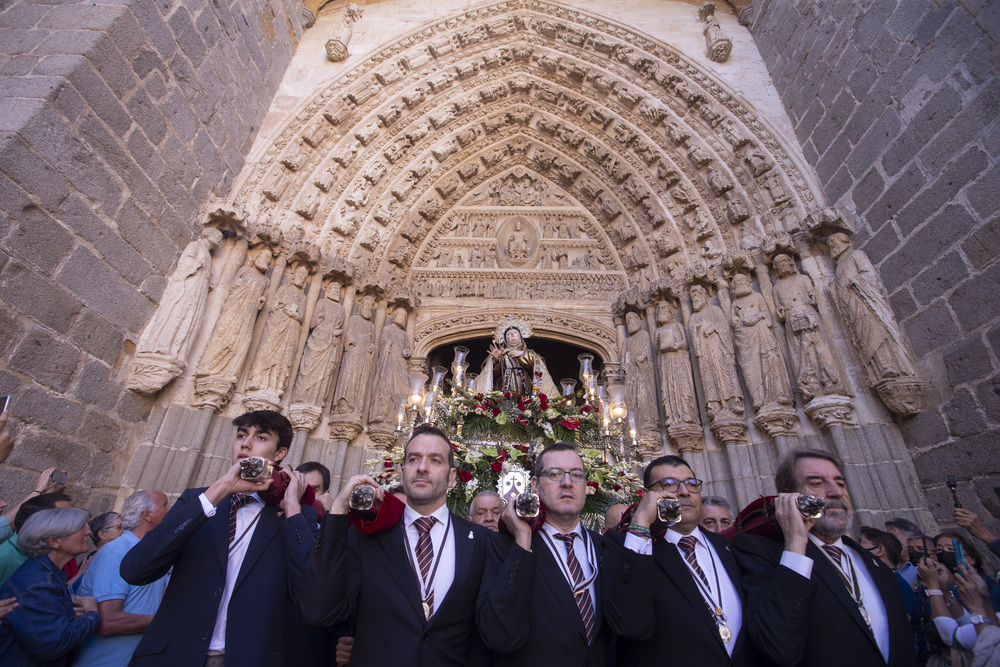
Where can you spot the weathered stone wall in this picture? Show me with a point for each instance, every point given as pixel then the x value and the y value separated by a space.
pixel 895 103
pixel 118 121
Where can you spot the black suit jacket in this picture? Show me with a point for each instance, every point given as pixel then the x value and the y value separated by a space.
pixel 197 548
pixel 815 622
pixel 527 613
pixel 367 580
pixel 657 610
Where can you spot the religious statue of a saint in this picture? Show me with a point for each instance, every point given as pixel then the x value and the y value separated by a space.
pixel 391 378
pixel 640 385
pixel 273 362
pixel 713 346
pixel 517 244
pixel 511 366
pixel 322 353
pixel 359 348
pixel 675 367
pixel 763 369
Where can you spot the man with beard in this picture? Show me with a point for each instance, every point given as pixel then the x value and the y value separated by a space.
pixel 409 590
pixel 544 606
pixel 814 596
pixel 676 591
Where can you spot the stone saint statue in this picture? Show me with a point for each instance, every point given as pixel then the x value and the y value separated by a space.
pixel 511 366
pixel 795 301
pixel 864 305
pixel 763 368
pixel 322 353
pixel 640 383
pixel 233 332
pixel 709 336
pixel 391 375
pixel 165 342
pixel 675 367
pixel 358 351
pixel 273 362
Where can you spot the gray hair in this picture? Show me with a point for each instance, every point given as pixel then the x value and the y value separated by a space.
pixel 486 493
pixel 134 506
pixel 33 538
pixel 718 501
pixel 99 523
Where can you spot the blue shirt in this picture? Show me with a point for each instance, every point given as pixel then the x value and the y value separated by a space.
pixel 103 581
pixel 43 629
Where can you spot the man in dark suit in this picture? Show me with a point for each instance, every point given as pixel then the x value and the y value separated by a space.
pixel 814 596
pixel 410 590
pixel 544 606
pixel 235 562
pixel 678 595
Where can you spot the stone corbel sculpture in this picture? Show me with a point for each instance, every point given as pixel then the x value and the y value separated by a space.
pixel 336 46
pixel 719 46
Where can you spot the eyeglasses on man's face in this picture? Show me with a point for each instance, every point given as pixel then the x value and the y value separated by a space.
pixel 577 475
pixel 670 484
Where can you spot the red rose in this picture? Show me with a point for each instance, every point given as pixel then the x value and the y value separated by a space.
pixel 506 394
pixel 543 404
pixel 496 466
pixel 593 484
pixel 478 397
pixel 520 406
pixel 585 409
pixel 464 475
pixel 543 397
pixel 496 411
pixel 618 487
pixel 571 425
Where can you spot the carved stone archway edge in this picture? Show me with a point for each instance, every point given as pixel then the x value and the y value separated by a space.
pixel 479 322
pixel 302 154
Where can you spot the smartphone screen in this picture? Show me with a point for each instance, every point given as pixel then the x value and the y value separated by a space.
pixel 6 403
pixel 59 477
pixel 959 556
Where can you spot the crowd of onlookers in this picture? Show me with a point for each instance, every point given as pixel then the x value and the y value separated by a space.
pixel 70 593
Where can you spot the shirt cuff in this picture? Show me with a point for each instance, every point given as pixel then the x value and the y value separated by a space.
pixel 797 563
pixel 206 506
pixel 638 545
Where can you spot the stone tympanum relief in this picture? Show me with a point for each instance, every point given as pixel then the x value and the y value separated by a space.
pixel 161 353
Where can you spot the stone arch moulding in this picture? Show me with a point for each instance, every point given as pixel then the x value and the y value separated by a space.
pixel 579 331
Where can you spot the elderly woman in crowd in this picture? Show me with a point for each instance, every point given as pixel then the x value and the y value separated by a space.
pixel 49 624
pixel 104 528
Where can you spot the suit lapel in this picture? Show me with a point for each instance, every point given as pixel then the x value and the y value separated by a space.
pixel 465 546
pixel 219 525
pixel 263 534
pixel 553 578
pixel 392 545
pixel 669 558
pixel 827 573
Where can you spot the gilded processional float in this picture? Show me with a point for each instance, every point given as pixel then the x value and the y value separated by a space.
pixel 527 163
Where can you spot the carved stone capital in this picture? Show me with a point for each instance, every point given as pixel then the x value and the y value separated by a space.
pixel 687 437
pixel 775 419
pixel 149 372
pixel 728 428
pixel 262 399
pixel 211 391
pixel 304 417
pixel 345 427
pixel 832 409
pixel 383 436
pixel 903 395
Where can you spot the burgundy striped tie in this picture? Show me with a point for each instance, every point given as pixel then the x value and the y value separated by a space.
pixel 583 601
pixel 687 544
pixel 425 555
pixel 237 501
pixel 836 553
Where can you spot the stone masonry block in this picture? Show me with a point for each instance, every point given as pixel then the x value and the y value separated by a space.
pixel 38 450
pixel 943 190
pixel 926 429
pixel 104 290
pixel 926 245
pixel 134 407
pixel 101 98
pixel 178 113
pixel 965 418
pixel 102 431
pixel 29 170
pixel 982 194
pixel 97 474
pixel 10 329
pixel 136 228
pixel 931 328
pixel 940 277
pixel 37 298
pixel 963 129
pixel 900 191
pixel 98 337
pixel 94 386
pixel 967 361
pixel 127 34
pixel 902 304
pixel 867 190
pixel 834 158
pixel 78 216
pixel 983 246
pixel 976 453
pixel 146 113
pixel 23 15
pixel 187 35
pixel 938 110
pixel 50 361
pixel 80 17
pixel 145 62
pixel 869 147
pixel 976 302
pixel 112 67
pixel 882 243
pixel 38 239
pixel 155 27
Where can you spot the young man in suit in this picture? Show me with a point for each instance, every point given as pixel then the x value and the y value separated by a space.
pixel 677 595
pixel 235 562
pixel 814 596
pixel 544 605
pixel 409 590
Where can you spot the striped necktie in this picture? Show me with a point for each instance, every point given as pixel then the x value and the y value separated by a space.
pixel 425 556
pixel 583 601
pixel 687 544
pixel 236 502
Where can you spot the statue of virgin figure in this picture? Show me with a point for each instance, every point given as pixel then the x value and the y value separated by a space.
pixel 511 366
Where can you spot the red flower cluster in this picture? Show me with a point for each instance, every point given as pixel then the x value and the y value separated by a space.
pixel 497 465
pixel 496 411
pixel 593 484
pixel 506 394
pixel 465 475
pixel 571 425
pixel 585 410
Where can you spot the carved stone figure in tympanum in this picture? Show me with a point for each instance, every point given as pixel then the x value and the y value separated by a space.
pixel 864 305
pixel 391 379
pixel 640 381
pixel 795 301
pixel 163 347
pixel 322 354
pixel 227 348
pixel 763 368
pixel 359 349
pixel 709 335
pixel 273 362
pixel 675 367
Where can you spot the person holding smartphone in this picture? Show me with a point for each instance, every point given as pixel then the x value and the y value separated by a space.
pixel 947 554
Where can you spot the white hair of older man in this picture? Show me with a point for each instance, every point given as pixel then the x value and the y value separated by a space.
pixel 139 502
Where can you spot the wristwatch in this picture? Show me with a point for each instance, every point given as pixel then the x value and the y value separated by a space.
pixel 979 619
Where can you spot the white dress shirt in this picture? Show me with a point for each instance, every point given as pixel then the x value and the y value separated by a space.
pixel 581 549
pixel 445 574
pixel 245 522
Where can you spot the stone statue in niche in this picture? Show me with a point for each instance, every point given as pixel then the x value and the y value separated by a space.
pixel 640 384
pixel 391 378
pixel 273 361
pixel 359 348
pixel 709 335
pixel 322 354
pixel 864 306
pixel 795 301
pixel 675 367
pixel 718 45
pixel 227 349
pixel 760 360
pixel 161 354
pixel 336 46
